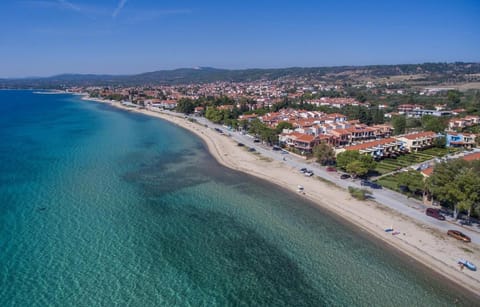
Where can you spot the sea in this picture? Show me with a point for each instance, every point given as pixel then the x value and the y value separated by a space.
pixel 103 207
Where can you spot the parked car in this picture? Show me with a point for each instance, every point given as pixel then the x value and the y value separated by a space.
pixel 251 149
pixel 466 222
pixel 435 213
pixel 345 176
pixel 331 169
pixel 303 170
pixel 276 148
pixel 375 185
pixel 309 173
pixel 458 235
pixel 256 141
pixel 365 182
pixel 240 144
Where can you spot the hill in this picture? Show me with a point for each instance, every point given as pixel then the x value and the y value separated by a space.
pixel 427 73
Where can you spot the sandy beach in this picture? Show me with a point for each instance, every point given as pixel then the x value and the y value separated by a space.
pixel 428 246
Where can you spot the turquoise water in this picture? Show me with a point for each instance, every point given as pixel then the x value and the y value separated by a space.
pixel 100 207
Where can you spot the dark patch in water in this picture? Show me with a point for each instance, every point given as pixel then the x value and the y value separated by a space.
pixel 219 255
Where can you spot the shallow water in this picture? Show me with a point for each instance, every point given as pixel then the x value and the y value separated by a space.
pixel 104 207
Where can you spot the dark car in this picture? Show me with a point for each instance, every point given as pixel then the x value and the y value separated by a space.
pixel 331 169
pixel 458 235
pixel 345 176
pixel 256 141
pixel 276 148
pixel 435 213
pixel 251 149
pixel 241 144
pixel 365 182
pixel 466 222
pixel 303 170
pixel 375 185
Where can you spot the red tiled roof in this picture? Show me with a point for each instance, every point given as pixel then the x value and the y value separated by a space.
pixel 472 157
pixel 418 135
pixel 371 144
pixel 428 171
pixel 306 138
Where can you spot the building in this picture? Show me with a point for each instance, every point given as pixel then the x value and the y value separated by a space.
pixel 461 123
pixel 198 111
pixel 299 141
pixel 465 140
pixel 418 141
pixel 378 148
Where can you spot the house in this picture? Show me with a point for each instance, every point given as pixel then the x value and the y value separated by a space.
pixel 198 111
pixel 301 142
pixel 378 148
pixel 418 141
pixel 165 104
pixel 465 140
pixel 461 123
pixel 248 117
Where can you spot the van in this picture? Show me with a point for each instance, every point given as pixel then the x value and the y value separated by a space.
pixel 435 213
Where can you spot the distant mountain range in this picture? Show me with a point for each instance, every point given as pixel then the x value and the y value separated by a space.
pixel 428 72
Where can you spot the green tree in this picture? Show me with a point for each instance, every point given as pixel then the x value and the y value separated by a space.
pixel 399 124
pixel 378 116
pixel 324 153
pixel 440 142
pixel 453 98
pixel 357 168
pixel 214 115
pixel 411 179
pixel 283 125
pixel 344 158
pixel 434 123
pixel 355 163
pixel 456 184
pixel 185 105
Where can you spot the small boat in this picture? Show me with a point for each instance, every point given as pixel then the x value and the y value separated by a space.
pixel 300 188
pixel 468 264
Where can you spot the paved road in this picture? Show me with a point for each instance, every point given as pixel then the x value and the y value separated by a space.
pixel 396 201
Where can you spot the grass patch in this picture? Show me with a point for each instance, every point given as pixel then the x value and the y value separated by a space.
pixel 360 194
pixel 266 159
pixel 326 181
pixel 466 250
pixel 391 182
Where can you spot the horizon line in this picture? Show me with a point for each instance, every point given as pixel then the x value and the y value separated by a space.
pixel 231 69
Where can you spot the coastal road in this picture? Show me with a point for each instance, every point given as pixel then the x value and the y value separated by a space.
pixel 396 201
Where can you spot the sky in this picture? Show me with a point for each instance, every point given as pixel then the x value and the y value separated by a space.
pixel 49 37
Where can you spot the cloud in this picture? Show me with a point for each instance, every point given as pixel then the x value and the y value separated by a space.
pixel 70 5
pixel 119 7
pixel 87 11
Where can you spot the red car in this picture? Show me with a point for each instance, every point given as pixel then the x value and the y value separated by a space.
pixel 435 213
pixel 458 235
pixel 331 169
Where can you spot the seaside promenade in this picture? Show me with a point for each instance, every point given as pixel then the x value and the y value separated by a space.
pixel 400 203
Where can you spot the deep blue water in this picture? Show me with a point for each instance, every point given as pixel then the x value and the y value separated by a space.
pixel 101 207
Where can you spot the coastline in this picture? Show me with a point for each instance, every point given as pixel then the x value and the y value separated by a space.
pixel 427 246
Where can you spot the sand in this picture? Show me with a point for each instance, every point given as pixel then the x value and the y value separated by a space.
pixel 429 246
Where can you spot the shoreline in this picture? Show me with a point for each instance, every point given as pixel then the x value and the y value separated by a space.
pixel 429 247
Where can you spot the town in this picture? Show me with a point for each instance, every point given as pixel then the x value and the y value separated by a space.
pixel 400 142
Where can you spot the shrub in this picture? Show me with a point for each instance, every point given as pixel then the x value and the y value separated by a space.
pixel 360 194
